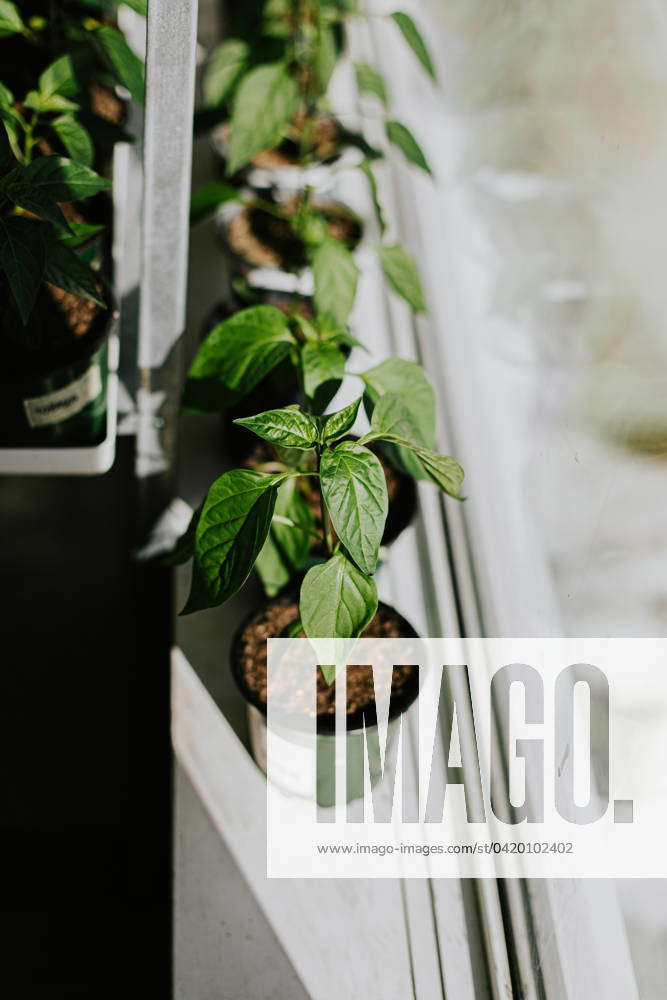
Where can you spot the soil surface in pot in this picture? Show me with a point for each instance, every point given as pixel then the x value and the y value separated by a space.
pixel 400 489
pixel 264 240
pixel 323 144
pixel 278 615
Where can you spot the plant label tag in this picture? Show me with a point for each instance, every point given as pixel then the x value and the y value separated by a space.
pixel 54 407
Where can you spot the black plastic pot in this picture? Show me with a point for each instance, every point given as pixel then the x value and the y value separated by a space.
pixel 53 391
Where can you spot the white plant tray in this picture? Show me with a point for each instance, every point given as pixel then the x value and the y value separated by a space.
pixel 80 461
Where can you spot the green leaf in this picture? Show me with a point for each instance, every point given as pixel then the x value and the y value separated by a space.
pixel 336 425
pixel 240 351
pixel 141 6
pixel 32 199
pixel 81 232
pixel 124 63
pixel 224 68
pixel 234 522
pixel 321 363
pixel 265 103
pixel 67 271
pixel 335 274
pixel 10 20
pixel 287 546
pixel 401 272
pixel 22 258
pixel 205 201
pixel 75 139
pixel 336 601
pixel 408 145
pixel 6 96
pixel 370 81
pixel 184 548
pixel 326 57
pixel 393 421
pixel 289 428
pixel 61 179
pixel 367 171
pixel 59 78
pixel 411 34
pixel 407 380
pixel 355 492
pixel 12 131
pixel 55 102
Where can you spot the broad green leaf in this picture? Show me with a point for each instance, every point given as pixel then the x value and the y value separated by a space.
pixel 80 233
pixel 12 130
pixel 55 102
pixel 355 492
pixel 443 470
pixel 234 522
pixel 408 381
pixel 321 363
pixel 337 601
pixel 264 104
pixel 224 68
pixel 335 274
pixel 240 351
pixel 289 428
pixel 63 180
pixel 7 158
pixel 67 271
pixel 124 63
pixel 408 145
pixel 10 20
pixel 141 6
pixel 22 259
pixel 401 272
pixel 29 197
pixel 411 34
pixel 336 425
pixel 370 81
pixel 59 78
pixel 205 201
pixel 75 139
pixel 367 171
pixel 393 421
pixel 6 96
pixel 288 544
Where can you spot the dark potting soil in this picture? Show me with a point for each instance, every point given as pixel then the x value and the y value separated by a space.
pixel 264 240
pixel 275 617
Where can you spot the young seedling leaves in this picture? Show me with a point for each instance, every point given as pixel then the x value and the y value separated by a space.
pixel 22 259
pixel 289 540
pixel 60 77
pixel 336 425
pixel 240 351
pixel 411 34
pixel 224 69
pixel 355 492
pixel 289 428
pixel 234 522
pixel 10 20
pixel 406 380
pixel 393 421
pixel 335 274
pixel 61 179
pixel 265 103
pixel 326 57
pixel 209 197
pixel 125 64
pixel 74 138
pixel 321 363
pixel 337 601
pixel 370 81
pixel 65 269
pixel 401 272
pixel 367 170
pixel 408 145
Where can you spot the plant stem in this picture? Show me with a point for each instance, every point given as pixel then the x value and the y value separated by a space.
pixel 326 528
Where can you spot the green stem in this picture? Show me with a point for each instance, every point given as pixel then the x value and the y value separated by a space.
pixel 326 524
